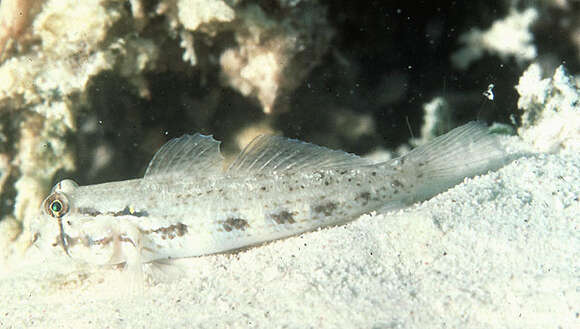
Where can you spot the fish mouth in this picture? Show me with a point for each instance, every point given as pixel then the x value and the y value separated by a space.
pixel 63 237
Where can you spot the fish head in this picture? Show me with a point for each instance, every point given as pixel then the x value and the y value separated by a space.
pixel 83 238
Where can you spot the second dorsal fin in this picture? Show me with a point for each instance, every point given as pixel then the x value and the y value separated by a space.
pixel 267 154
pixel 187 155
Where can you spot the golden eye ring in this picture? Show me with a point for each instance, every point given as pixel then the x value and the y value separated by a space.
pixel 56 205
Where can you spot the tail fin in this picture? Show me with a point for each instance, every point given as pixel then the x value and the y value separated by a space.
pixel 447 160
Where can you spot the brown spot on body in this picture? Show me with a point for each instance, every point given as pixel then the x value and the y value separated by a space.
pixel 102 242
pixel 89 211
pixel 124 212
pixel 232 223
pixel 283 217
pixel 169 232
pixel 397 183
pixel 363 197
pixel 127 211
pixel 326 208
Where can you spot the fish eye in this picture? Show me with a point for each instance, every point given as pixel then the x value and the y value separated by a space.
pixel 56 205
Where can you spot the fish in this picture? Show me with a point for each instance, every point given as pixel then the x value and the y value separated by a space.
pixel 191 203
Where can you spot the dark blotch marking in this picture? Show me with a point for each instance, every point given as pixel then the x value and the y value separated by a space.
pixel 232 223
pixel 102 242
pixel 326 208
pixel 88 211
pixel 397 183
pixel 127 212
pixel 374 173
pixel 171 231
pixel 283 217
pixel 363 197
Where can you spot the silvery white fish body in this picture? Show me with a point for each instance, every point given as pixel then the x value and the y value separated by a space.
pixel 190 204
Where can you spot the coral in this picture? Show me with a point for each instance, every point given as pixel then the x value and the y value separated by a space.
pixel 274 51
pixel 45 86
pixel 14 18
pixel 193 13
pixel 4 171
pixel 10 229
pixel 509 37
pixel 273 56
pixel 436 120
pixel 550 110
pixel 187 16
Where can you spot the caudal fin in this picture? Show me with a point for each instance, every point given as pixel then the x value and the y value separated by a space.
pixel 447 160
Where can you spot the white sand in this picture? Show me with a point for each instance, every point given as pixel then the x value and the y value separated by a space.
pixel 498 251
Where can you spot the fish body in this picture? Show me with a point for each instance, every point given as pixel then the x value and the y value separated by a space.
pixel 188 205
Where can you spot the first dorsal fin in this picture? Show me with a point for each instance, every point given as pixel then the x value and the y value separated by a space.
pixel 266 154
pixel 187 155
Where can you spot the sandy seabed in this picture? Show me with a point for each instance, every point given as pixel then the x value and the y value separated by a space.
pixel 500 250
